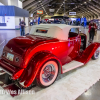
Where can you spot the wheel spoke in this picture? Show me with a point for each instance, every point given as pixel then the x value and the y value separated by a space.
pixel 48 73
pixel 96 54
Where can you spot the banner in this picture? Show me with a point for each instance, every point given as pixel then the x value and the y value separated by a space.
pixel 39 20
pixel 72 13
pixel 85 22
pixel 39 11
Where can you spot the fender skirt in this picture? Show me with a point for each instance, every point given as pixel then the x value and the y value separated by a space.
pixel 35 64
pixel 88 53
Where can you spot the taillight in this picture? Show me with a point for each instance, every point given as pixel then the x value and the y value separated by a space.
pixel 17 75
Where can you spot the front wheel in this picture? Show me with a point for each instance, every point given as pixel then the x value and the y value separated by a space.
pixel 96 54
pixel 47 74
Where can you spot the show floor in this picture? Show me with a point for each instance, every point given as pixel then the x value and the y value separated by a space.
pixel 80 84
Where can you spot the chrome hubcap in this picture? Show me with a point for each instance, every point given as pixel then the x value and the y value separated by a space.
pixel 48 73
pixel 96 53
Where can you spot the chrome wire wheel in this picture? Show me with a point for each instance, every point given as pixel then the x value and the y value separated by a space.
pixel 96 54
pixel 48 73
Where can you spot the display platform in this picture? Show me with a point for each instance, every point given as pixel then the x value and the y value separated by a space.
pixel 67 87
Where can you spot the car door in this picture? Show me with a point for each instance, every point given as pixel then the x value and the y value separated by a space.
pixel 74 41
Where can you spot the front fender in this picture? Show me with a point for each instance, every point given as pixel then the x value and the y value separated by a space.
pixel 32 69
pixel 88 53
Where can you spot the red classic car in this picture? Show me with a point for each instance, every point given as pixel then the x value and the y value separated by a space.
pixel 48 50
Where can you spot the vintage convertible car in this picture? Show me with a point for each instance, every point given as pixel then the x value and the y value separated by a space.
pixel 48 50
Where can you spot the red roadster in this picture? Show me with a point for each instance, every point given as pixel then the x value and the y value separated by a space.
pixel 47 51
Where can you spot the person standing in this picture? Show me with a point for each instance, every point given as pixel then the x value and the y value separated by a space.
pixel 92 28
pixel 62 21
pixel 22 28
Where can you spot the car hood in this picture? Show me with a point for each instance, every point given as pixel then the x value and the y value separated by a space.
pixel 20 44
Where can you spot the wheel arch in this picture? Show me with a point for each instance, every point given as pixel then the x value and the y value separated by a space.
pixel 88 53
pixel 35 64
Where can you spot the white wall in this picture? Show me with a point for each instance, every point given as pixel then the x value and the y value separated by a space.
pixel 1 4
pixel 13 2
pixel 9 2
pixel 16 3
pixel 10 23
pixel 20 4
pixel 26 21
pixel 5 2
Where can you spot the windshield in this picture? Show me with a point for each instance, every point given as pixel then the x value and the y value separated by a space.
pixel 74 30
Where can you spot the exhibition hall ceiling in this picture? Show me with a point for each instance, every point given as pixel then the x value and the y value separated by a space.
pixel 81 7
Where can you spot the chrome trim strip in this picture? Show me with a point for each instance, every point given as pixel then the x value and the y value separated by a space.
pixel 5 71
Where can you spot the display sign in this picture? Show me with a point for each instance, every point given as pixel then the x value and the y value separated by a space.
pixel 51 10
pixel 39 11
pixel 72 13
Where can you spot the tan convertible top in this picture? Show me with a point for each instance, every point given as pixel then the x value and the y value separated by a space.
pixel 59 31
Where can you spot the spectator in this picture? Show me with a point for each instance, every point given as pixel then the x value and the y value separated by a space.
pixel 71 23
pixel 62 21
pixel 92 28
pixel 22 28
pixel 35 21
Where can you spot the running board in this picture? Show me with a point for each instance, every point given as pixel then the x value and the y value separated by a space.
pixel 72 65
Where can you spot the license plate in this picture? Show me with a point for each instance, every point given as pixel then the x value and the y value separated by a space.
pixel 10 56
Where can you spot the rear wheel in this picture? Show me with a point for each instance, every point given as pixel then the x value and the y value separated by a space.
pixel 7 79
pixel 47 74
pixel 96 54
pixel 21 86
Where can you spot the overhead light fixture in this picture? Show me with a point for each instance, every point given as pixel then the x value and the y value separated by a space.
pixel 60 7
pixel 43 7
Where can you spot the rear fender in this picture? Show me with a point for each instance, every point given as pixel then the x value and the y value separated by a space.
pixel 88 53
pixel 35 64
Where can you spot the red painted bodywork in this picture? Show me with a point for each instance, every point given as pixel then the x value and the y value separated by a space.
pixel 33 51
pixel 88 53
